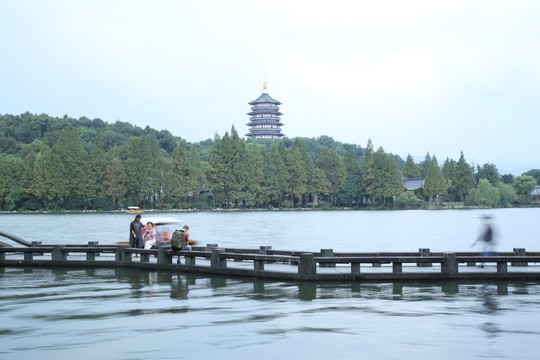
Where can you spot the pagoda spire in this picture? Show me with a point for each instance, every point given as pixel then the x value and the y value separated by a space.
pixel 264 87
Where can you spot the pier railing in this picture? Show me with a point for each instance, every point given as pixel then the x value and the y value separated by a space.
pixel 297 265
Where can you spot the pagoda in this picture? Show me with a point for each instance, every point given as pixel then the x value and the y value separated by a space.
pixel 264 121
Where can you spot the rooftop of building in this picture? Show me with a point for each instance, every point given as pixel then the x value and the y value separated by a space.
pixel 264 98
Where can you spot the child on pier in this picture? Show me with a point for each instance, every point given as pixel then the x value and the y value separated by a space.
pixel 149 235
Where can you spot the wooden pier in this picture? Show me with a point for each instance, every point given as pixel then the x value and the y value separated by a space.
pixel 264 262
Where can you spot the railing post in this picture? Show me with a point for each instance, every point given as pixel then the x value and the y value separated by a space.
pixel 58 254
pixel 28 257
pixel 306 265
pixel 145 258
pixel 190 260
pixel 119 253
pixel 216 261
pixel 263 250
pixel 126 256
pixel 209 248
pixel 162 257
pixel 91 256
pixel 449 265
pixel 327 253
pixel 36 244
pixel 397 267
pixel 424 253
pixel 258 265
pixel 519 252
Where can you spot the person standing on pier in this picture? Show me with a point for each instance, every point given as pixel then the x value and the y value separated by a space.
pixel 135 233
pixel 487 238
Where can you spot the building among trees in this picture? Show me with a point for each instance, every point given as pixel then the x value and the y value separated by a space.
pixel 264 121
pixel 413 183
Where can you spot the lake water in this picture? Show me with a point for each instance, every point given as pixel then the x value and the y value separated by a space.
pixel 134 314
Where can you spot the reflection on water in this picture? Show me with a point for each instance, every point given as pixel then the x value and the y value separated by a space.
pixel 64 313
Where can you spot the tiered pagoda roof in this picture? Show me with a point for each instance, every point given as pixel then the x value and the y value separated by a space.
pixel 264 117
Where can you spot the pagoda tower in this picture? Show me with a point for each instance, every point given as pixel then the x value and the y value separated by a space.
pixel 264 121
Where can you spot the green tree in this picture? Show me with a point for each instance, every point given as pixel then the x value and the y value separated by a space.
pixel 351 191
pixel 71 170
pixel 508 178
pixel 26 181
pixel 435 184
pixel 424 165
pixel 217 171
pixel 81 187
pixel 229 169
pixel 96 167
pixel 382 177
pixel 10 174
pixel 489 172
pixel 462 179
pixel 334 170
pixel 507 194
pixel 309 168
pixel 393 186
pixel 157 171
pixel 239 167
pixel 366 173
pixel 535 173
pixel 448 168
pixel 410 169
pixel 187 173
pixel 63 168
pixel 297 175
pixel 139 169
pixel 322 185
pixel 3 181
pixel 524 185
pixel 43 177
pixel 407 200
pixel 270 181
pixel 115 179
pixel 279 159
pixel 487 194
pixel 257 193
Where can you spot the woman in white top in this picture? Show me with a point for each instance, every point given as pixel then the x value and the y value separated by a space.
pixel 149 235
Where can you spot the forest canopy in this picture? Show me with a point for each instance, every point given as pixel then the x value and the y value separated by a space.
pixel 51 163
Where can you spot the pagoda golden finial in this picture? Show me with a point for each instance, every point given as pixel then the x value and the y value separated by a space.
pixel 264 86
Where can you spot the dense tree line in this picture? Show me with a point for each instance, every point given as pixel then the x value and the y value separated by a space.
pixel 77 164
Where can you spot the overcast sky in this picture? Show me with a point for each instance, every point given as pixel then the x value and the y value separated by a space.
pixel 414 76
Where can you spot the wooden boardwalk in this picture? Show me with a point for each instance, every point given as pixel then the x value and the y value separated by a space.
pixel 266 263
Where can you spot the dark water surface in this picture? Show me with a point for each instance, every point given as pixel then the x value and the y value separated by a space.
pixel 135 314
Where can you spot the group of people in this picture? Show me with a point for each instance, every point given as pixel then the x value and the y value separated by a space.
pixel 137 240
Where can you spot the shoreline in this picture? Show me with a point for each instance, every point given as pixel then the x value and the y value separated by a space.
pixel 440 208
